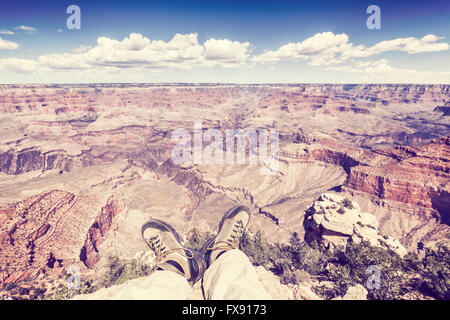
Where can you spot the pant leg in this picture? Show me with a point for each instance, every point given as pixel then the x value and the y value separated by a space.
pixel 159 285
pixel 232 277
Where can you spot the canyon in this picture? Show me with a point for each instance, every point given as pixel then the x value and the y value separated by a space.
pixel 82 167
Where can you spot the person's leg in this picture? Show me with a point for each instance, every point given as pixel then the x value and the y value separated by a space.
pixel 232 277
pixel 159 285
pixel 173 267
pixel 230 274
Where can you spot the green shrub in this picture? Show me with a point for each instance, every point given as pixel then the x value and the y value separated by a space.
pixel 24 291
pixel 357 257
pixel 37 293
pixel 196 239
pixel 64 293
pixel 257 249
pixel 411 262
pixel 347 203
pixel 435 268
pixel 120 271
pixel 340 277
pixel 299 255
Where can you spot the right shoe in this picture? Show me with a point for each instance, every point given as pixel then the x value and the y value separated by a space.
pixel 170 253
pixel 234 222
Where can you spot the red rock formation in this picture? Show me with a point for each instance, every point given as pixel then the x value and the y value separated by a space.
pixel 89 253
pixel 414 175
pixel 64 98
pixel 45 233
pixel 420 178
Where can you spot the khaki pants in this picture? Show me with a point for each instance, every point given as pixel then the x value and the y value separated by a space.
pixel 230 277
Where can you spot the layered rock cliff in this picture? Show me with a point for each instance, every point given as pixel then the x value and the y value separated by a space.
pixel 420 177
pixel 44 234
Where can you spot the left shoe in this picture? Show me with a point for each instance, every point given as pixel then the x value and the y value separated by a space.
pixel 171 255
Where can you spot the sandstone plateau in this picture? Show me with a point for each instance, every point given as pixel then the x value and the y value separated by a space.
pixel 82 167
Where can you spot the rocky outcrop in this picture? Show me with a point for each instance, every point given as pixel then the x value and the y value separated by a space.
pixel 272 284
pixel 336 155
pixel 89 254
pixel 357 292
pixel 44 234
pixel 334 220
pixel 32 159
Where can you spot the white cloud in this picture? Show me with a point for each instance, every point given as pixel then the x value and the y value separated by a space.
pixel 26 29
pixel 59 30
pixel 24 66
pixel 134 42
pixel 63 61
pixel 317 48
pixel 141 54
pixel 5 31
pixel 328 48
pixel 183 51
pixel 226 53
pixel 382 71
pixel 379 66
pixel 410 45
pixel 8 45
pixel 82 48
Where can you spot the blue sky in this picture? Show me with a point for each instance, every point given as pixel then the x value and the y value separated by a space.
pixel 225 41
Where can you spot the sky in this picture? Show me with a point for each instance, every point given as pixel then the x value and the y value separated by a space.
pixel 225 42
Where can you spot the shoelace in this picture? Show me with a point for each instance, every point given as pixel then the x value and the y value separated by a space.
pixel 161 252
pixel 230 244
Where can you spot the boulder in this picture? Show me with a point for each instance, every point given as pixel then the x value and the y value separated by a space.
pixel 357 292
pixel 334 220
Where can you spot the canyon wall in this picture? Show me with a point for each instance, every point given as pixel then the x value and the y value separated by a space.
pixel 83 166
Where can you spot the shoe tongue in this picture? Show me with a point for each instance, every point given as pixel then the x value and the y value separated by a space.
pixel 168 241
pixel 227 231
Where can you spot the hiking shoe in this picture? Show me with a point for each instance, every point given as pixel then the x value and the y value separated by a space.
pixel 231 228
pixel 170 253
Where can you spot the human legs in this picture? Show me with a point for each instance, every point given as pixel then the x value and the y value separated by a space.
pixel 159 285
pixel 232 277
pixel 230 274
pixel 173 267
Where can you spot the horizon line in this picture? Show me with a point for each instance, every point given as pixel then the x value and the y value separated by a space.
pixel 217 83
